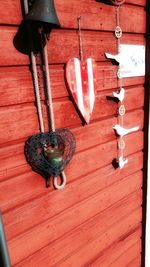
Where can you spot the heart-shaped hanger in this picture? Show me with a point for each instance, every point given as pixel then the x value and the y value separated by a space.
pixel 81 79
pixel 49 153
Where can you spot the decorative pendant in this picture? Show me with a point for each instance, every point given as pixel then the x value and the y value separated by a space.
pixel 81 76
pixel 81 79
pixel 122 110
pixel 49 153
pixel 119 95
pixel 118 32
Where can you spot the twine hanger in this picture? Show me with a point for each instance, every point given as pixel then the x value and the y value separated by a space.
pixel 80 39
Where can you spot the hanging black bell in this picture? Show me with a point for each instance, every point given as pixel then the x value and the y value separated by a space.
pixel 44 11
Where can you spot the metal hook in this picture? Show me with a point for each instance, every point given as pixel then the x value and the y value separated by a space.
pixel 63 181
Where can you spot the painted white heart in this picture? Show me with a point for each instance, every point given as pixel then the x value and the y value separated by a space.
pixel 81 79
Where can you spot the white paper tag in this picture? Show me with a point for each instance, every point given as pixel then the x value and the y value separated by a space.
pixel 132 60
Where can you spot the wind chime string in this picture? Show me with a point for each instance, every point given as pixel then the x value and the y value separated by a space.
pixel 120 117
pixel 80 39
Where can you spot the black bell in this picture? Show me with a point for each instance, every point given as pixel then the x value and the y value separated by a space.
pixel 44 11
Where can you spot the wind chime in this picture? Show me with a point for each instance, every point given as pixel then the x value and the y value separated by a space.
pixel 47 153
pixel 120 161
pixel 81 76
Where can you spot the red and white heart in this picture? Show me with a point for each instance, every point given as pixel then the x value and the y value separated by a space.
pixel 81 79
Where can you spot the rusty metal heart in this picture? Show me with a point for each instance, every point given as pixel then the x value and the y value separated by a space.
pixel 62 142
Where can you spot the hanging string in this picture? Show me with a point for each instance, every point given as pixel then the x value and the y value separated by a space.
pixel 118 34
pixel 80 38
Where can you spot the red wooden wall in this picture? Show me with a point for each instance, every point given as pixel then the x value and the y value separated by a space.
pixel 96 219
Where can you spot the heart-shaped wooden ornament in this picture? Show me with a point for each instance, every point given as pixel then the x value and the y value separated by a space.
pixel 81 78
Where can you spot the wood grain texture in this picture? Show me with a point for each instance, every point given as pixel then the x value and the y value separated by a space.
pixel 98 12
pixel 84 188
pixel 96 219
pixel 135 262
pixel 127 257
pixel 69 11
pixel 118 248
pixel 88 161
pixel 95 44
pixel 93 246
pixel 13 159
pixel 9 54
pixel 69 220
pixel 137 2
pixel 13 8
pixel 25 116
pixel 18 88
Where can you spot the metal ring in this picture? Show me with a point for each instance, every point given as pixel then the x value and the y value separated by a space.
pixel 63 181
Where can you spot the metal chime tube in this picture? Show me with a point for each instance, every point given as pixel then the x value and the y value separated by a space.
pixel 48 85
pixel 35 78
pixel 51 112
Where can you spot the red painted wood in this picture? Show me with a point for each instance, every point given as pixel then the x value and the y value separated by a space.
pixel 137 2
pixel 118 248
pixel 13 8
pixel 84 189
pixel 25 116
pixel 96 219
pixel 127 257
pixel 18 87
pixel 68 12
pixel 69 219
pixel 135 262
pixel 85 137
pixel 95 45
pixel 98 13
pixel 9 54
pixel 93 248
pixel 85 160
pixel 92 244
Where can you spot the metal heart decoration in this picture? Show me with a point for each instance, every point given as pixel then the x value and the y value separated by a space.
pixel 81 78
pixel 49 153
